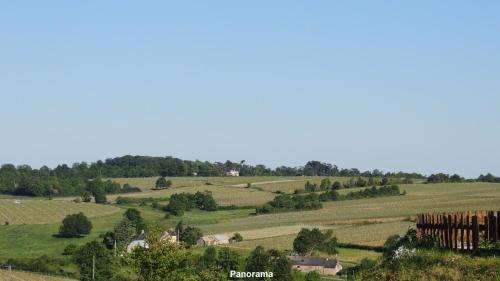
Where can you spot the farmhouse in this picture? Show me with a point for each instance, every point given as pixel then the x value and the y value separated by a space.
pixel 140 241
pixel 210 240
pixel 321 265
pixel 233 173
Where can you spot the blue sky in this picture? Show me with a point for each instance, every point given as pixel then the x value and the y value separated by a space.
pixel 391 85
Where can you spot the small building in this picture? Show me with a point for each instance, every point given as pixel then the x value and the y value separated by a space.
pixel 233 173
pixel 140 241
pixel 324 266
pixel 212 240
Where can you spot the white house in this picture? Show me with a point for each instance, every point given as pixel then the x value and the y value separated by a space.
pixel 233 173
pixel 140 241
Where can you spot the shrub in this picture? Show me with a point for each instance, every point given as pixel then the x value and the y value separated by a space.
pixel 70 250
pixel 237 237
pixel 75 225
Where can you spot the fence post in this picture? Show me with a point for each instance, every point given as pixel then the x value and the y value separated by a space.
pixel 492 226
pixel 475 232
pixel 498 225
pixel 443 234
pixel 455 231
pixel 467 229
pixel 462 231
pixel 450 232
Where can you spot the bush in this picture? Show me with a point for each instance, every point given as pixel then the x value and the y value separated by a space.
pixel 237 237
pixel 75 225
pixel 70 250
pixel 162 183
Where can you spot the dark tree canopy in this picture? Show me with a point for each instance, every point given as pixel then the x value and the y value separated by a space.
pixel 94 254
pixel 75 225
pixel 310 240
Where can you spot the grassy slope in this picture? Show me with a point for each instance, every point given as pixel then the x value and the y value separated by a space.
pixel 33 240
pixel 352 221
pixel 41 211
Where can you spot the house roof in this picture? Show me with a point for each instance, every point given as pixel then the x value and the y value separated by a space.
pixel 313 261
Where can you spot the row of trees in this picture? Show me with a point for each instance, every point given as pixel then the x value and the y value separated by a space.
pixel 66 180
pixel 288 202
pixel 181 202
pixel 488 178
pixel 312 201
pixel 442 178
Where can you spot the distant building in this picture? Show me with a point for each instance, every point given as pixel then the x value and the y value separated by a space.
pixel 324 266
pixel 233 173
pixel 211 240
pixel 140 241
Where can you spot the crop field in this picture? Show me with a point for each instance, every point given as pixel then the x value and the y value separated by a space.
pixel 32 211
pixel 26 276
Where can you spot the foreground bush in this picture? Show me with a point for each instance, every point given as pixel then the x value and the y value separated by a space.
pixel 431 265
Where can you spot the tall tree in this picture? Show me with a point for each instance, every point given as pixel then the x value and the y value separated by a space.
pixel 95 260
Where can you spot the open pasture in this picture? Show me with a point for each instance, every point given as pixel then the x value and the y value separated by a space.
pixel 34 240
pixel 149 183
pixel 224 195
pixel 27 276
pixel 419 198
pixel 40 211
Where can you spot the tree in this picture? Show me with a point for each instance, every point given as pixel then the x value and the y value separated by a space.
pixel 209 258
pixel 336 185
pixel 164 260
pixel 94 259
pixel 280 265
pixel 124 232
pixel 228 259
pixel 274 261
pixel 385 181
pixel 99 195
pixel 75 225
pixel 258 260
pixel 309 240
pixel 135 217
pixel 108 239
pixel 162 183
pixel 86 196
pixel 237 237
pixel 191 235
pixel 325 184
pixel 96 187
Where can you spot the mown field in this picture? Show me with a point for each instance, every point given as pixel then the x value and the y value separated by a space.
pixel 26 276
pixel 364 221
pixel 41 211
pixel 226 190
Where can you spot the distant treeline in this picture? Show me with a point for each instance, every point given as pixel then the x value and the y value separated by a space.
pixel 66 180
pixel 488 178
pixel 39 184
pixel 312 201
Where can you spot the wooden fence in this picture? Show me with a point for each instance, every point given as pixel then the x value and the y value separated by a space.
pixel 460 231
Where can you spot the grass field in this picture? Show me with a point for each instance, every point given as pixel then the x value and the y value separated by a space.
pixel 40 211
pixel 26 276
pixel 364 221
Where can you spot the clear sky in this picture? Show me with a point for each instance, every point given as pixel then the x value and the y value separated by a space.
pixel 391 85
